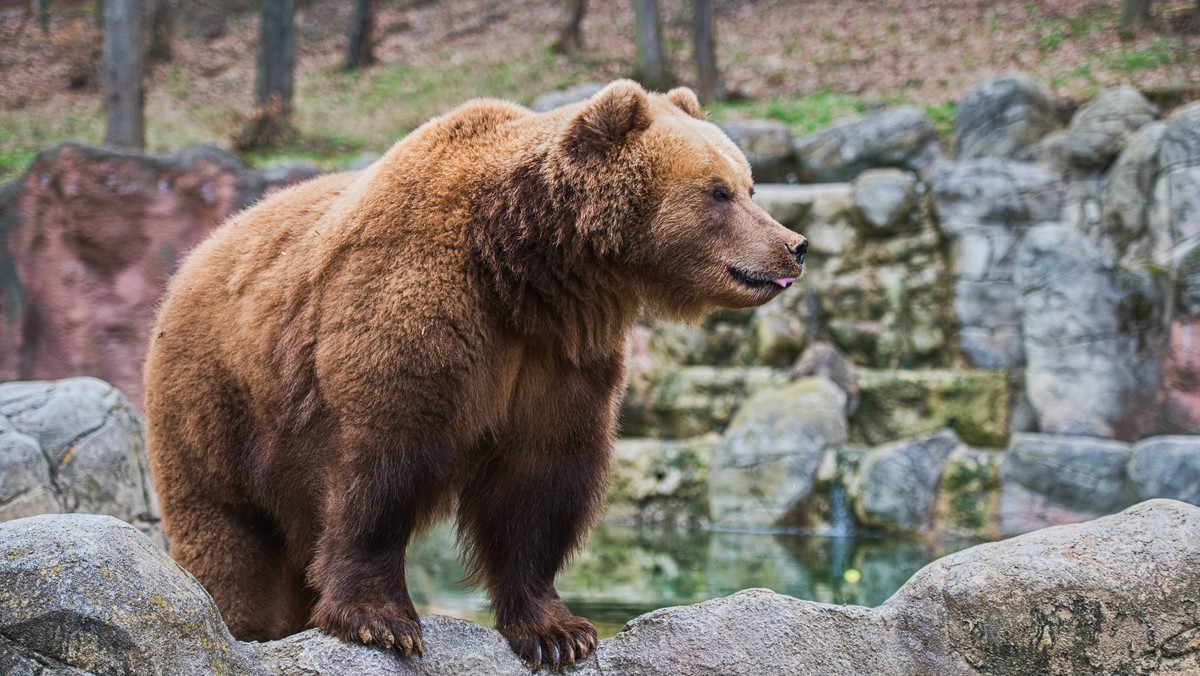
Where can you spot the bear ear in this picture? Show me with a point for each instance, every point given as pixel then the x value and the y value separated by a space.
pixel 608 119
pixel 686 100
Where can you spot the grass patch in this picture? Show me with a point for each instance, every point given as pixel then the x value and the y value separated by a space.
pixel 1161 52
pixel 941 116
pixel 14 162
pixel 803 114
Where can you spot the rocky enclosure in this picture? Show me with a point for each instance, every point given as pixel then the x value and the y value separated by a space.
pixel 1031 280
pixel 90 594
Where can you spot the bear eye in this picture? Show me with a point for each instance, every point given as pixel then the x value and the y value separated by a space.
pixel 721 194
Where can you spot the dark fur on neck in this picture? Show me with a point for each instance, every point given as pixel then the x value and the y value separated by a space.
pixel 548 237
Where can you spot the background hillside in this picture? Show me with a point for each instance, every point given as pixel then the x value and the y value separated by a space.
pixel 805 63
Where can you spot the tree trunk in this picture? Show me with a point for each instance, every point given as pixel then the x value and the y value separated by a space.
pixel 360 52
pixel 570 37
pixel 43 8
pixel 162 31
pixel 1134 14
pixel 276 63
pixel 709 86
pixel 123 94
pixel 652 64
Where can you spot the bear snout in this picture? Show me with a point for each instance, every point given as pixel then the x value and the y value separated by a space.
pixel 798 250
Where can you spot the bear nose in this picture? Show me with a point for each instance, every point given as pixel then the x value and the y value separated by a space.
pixel 798 250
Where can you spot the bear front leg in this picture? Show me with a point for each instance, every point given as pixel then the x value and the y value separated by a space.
pixel 522 515
pixel 376 501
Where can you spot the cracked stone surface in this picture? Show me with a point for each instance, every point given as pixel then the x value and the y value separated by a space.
pixel 73 445
pixel 1118 595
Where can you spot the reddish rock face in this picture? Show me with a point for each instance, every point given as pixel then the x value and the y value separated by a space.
pixel 89 239
pixel 1181 377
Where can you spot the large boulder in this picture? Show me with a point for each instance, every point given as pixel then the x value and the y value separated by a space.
pixel 767 145
pixel 74 445
pixel 899 137
pixel 896 484
pixel 88 594
pixel 1092 336
pixel 1002 117
pixel 91 593
pixel 91 236
pixel 985 207
pixel 1101 127
pixel 766 464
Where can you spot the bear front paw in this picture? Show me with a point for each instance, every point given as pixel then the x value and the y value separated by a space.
pixel 389 627
pixel 562 640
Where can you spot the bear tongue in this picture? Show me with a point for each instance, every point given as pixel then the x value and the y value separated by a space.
pixel 785 282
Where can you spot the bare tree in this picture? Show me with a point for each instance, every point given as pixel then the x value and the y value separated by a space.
pixel 652 62
pixel 1134 14
pixel 162 31
pixel 709 86
pixel 570 36
pixel 360 51
pixel 123 93
pixel 271 123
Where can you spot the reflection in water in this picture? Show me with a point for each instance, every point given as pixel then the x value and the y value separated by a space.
pixel 625 572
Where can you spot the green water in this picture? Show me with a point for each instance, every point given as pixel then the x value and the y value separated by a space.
pixel 624 572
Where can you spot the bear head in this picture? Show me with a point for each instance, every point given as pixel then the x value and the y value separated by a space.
pixel 672 204
pixel 629 200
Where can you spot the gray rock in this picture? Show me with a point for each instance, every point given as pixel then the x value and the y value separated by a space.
pixel 779 331
pixel 968 193
pixel 562 97
pixel 1050 151
pixel 884 199
pixel 75 445
pixel 1101 127
pixel 896 484
pixel 25 486
pixel 985 207
pixel 767 145
pixel 1084 474
pixel 1001 117
pixel 1091 336
pixel 900 137
pixel 452 647
pixel 1176 207
pixel 1167 467
pixel 765 465
pixel 92 593
pixel 823 359
pixel 1128 197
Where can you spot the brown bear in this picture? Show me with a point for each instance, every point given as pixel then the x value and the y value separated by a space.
pixel 442 332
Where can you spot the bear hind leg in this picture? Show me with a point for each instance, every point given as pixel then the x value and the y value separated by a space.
pixel 241 562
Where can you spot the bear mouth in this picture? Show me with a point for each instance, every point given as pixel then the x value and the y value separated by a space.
pixel 758 280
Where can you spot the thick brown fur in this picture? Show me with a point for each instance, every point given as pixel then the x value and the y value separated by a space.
pixel 363 354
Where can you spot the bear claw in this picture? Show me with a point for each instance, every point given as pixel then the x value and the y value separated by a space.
pixel 384 628
pixel 566 641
